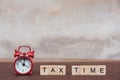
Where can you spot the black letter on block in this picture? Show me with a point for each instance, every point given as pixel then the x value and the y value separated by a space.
pixel 76 68
pixel 60 70
pixel 101 70
pixel 44 68
pixel 92 70
pixel 52 70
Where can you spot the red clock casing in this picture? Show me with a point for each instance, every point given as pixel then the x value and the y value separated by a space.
pixel 23 63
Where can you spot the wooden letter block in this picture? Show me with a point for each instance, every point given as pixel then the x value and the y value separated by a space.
pixel 53 69
pixel 61 70
pixel 44 70
pixel 101 70
pixel 92 70
pixel 84 70
pixel 75 70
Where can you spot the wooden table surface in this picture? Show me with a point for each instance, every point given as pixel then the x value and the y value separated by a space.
pixel 113 70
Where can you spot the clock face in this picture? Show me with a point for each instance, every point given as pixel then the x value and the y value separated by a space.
pixel 23 65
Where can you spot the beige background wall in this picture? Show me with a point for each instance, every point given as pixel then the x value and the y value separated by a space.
pixel 71 29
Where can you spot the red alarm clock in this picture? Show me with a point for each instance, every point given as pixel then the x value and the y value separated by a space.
pixel 23 63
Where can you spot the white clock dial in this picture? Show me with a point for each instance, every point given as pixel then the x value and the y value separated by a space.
pixel 23 65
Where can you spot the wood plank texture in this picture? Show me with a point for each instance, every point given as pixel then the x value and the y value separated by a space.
pixel 112 67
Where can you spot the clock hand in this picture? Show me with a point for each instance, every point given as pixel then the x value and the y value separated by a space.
pixel 27 66
pixel 24 61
